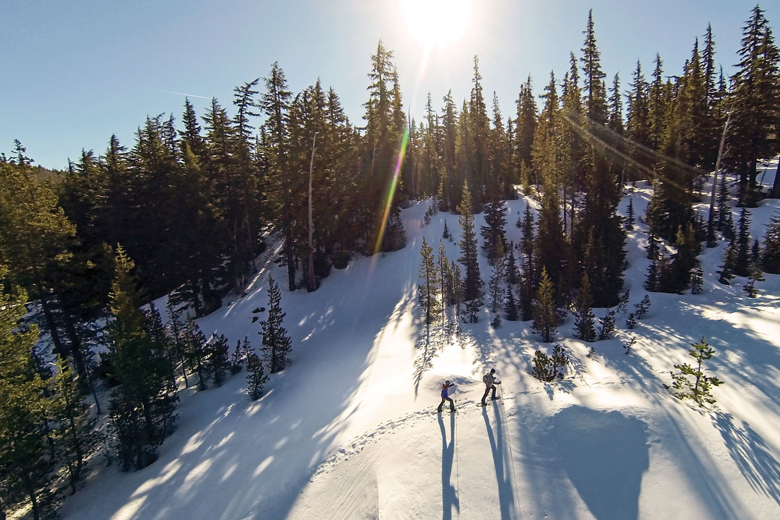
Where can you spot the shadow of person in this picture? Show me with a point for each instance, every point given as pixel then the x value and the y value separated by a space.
pixel 449 494
pixel 750 453
pixel 605 455
pixel 505 495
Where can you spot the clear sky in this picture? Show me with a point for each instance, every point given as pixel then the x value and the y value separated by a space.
pixel 74 72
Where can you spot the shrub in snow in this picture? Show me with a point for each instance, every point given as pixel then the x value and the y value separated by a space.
pixel 607 325
pixel 692 383
pixel 629 343
pixel 631 321
pixel 642 308
pixel 547 368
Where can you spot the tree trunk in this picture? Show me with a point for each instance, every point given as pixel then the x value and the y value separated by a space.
pixel 775 193
pixel 59 346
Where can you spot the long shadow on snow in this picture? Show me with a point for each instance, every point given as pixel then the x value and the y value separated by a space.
pixel 449 494
pixel 501 463
pixel 236 449
pixel 605 455
pixel 750 453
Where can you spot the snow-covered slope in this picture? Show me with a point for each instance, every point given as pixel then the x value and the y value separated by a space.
pixel 349 430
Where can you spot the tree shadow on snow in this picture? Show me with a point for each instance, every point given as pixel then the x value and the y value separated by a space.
pixel 501 462
pixel 751 455
pixel 605 455
pixel 449 495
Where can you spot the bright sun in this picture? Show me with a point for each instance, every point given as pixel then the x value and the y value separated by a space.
pixel 437 22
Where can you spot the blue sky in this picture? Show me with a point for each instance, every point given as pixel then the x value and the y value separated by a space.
pixel 76 72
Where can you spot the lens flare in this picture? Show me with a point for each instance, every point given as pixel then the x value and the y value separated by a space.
pixel 437 22
pixel 391 191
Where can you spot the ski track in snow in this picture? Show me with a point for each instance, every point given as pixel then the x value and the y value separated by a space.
pixel 350 430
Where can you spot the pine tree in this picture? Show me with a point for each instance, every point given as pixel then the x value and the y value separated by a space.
pixel 657 101
pixel 631 321
pixel 445 277
pixel 754 102
pixel 630 221
pixel 24 455
pixel 699 388
pixel 545 316
pixel 428 293
pixel 196 351
pixel 654 279
pixel 472 284
pixel 727 268
pixel 510 308
pixel 742 262
pixel 276 343
pixel 494 238
pixel 755 274
pixel 142 406
pixel 771 253
pixel 496 286
pixel 76 435
pixel 256 378
pixel 595 96
pixel 697 279
pixel 217 359
pixel 607 325
pixel 642 308
pixel 616 107
pixel 652 246
pixel 584 319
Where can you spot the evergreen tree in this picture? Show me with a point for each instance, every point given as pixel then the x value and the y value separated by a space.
pixel 742 262
pixel 196 351
pixel 472 283
pixel 642 308
pixel 496 286
pixel 771 253
pixel 631 321
pixel 724 210
pixel 510 308
pixel 276 343
pixel 607 325
pixel 629 223
pixel 545 316
pixel 494 238
pixel 217 358
pixel 638 115
pixel 755 274
pixel 727 268
pixel 25 459
pixel 699 388
pixel 616 107
pixel 445 277
pixel 754 104
pixel 657 101
pixel 697 279
pixel 584 320
pixel 595 96
pixel 428 293
pixel 142 406
pixel 76 435
pixel 256 378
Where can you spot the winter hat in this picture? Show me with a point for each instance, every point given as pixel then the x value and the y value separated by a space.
pixel 492 370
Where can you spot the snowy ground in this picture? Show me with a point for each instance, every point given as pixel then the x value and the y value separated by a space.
pixel 349 430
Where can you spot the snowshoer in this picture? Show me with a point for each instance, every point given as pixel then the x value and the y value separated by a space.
pixel 445 388
pixel 490 382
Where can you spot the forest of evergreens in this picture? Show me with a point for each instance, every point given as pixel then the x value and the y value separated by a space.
pixel 189 207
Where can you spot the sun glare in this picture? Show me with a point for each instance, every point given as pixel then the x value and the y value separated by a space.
pixel 437 22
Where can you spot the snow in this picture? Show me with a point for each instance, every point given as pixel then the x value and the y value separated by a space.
pixel 349 430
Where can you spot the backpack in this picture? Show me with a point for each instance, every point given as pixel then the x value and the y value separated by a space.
pixel 485 377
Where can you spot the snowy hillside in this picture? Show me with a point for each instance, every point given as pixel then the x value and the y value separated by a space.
pixel 349 430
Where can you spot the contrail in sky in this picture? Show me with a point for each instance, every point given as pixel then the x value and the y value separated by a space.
pixel 182 94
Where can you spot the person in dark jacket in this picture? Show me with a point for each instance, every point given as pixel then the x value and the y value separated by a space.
pixel 490 383
pixel 445 388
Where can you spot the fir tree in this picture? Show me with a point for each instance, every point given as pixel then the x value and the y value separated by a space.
pixel 510 308
pixel 24 455
pixel 217 359
pixel 607 325
pixel 697 279
pixel 256 378
pixel 727 268
pixel 496 286
pixel 629 221
pixel 494 239
pixel 754 103
pixel 642 308
pixel 428 293
pixel 584 321
pixel 595 96
pixel 652 246
pixel 545 316
pixel 196 351
pixel 142 406
pixel 699 388
pixel 724 209
pixel 631 321
pixel 742 262
pixel 472 284
pixel 771 252
pixel 76 435
pixel 755 274
pixel 276 343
